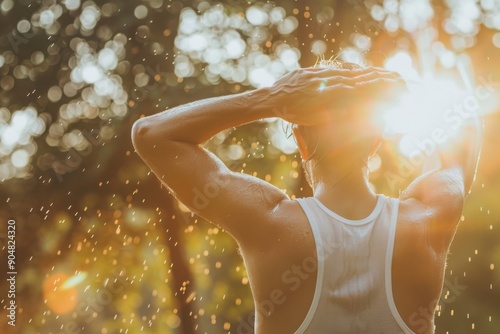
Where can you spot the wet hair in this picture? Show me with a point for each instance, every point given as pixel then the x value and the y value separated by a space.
pixel 335 63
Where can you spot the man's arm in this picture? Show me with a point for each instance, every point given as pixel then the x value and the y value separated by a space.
pixel 442 191
pixel 169 143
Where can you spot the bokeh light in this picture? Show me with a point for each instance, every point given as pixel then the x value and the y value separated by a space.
pixel 232 45
pixel 59 298
pixel 17 130
pixel 105 248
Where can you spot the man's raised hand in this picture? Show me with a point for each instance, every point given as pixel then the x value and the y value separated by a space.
pixel 313 96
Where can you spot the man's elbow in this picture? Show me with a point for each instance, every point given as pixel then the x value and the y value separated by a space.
pixel 140 135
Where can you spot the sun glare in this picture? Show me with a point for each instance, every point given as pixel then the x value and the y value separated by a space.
pixel 433 109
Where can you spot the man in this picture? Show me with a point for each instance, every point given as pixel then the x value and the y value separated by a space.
pixel 335 262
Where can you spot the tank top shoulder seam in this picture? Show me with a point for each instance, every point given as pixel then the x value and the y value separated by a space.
pixel 318 242
pixel 388 268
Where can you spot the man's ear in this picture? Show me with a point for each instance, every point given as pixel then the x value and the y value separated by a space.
pixel 301 142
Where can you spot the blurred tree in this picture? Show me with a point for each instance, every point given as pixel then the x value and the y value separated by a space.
pixel 76 75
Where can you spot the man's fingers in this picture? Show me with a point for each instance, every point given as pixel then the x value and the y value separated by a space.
pixel 321 72
pixel 328 76
pixel 356 80
pixel 338 92
pixel 339 87
pixel 360 74
pixel 371 82
pixel 380 82
pixel 365 77
pixel 342 94
pixel 377 74
pixel 382 86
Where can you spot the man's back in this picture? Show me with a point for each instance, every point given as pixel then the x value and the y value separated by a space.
pixel 284 277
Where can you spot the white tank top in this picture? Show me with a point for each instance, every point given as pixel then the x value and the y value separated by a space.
pixel 353 288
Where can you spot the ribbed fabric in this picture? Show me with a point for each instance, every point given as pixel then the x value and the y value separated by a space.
pixel 353 288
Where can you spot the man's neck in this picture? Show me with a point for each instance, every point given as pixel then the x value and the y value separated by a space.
pixel 347 195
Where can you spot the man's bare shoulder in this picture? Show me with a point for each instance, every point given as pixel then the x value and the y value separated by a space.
pixel 413 210
pixel 282 226
pixel 440 193
pixel 419 225
pixel 290 216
